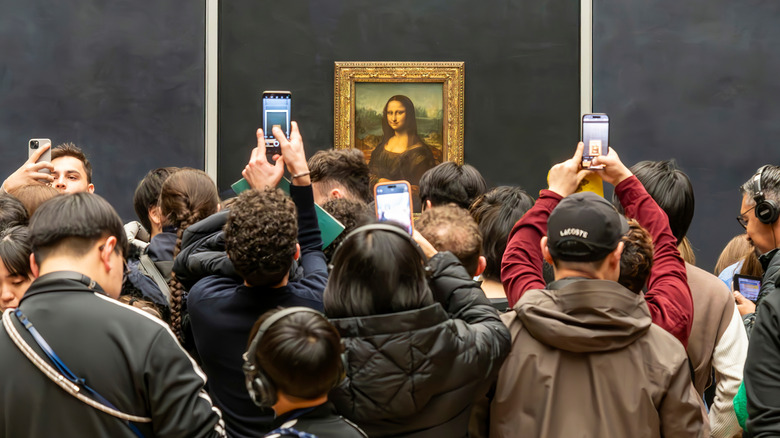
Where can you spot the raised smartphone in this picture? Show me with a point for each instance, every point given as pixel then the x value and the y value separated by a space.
pixel 393 201
pixel 276 111
pixel 595 135
pixel 748 286
pixel 32 147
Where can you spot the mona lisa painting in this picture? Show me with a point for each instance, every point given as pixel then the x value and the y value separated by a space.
pixel 404 117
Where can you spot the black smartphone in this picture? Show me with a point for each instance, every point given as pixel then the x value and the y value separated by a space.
pixel 748 286
pixel 595 135
pixel 393 201
pixel 276 111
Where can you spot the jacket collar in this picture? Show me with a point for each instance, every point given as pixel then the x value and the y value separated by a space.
pixel 409 320
pixel 766 258
pixel 585 316
pixel 62 281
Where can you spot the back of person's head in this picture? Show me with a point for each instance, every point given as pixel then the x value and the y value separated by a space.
pixel 261 235
pixel 452 183
pixel 351 214
pixel 15 250
pixel 12 212
pixel 738 249
pixel 147 194
pixel 451 228
pixel 72 224
pixel 733 252
pixel 340 168
pixel 142 304
pixel 375 272
pixel 71 150
pixel 33 195
pixel 582 230
pixel 764 185
pixel 636 260
pixel 672 191
pixel 496 212
pixel 298 354
pixel 186 197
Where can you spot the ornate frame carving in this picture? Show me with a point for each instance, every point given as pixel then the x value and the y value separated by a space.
pixel 450 74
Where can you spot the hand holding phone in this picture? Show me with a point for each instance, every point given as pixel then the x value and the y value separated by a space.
pixel 259 172
pixel 611 169
pixel 37 168
pixel 393 201
pixel 748 286
pixel 276 112
pixel 294 155
pixel 564 177
pixel 595 135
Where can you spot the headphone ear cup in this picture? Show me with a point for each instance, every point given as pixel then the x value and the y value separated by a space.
pixel 262 391
pixel 767 211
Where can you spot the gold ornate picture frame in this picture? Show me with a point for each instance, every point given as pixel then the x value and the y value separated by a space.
pixel 361 93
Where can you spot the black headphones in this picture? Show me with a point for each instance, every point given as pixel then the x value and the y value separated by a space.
pixel 766 210
pixel 261 388
pixel 384 227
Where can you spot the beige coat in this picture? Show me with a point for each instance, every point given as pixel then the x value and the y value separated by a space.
pixel 586 361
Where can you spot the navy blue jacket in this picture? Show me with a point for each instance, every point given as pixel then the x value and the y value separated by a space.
pixel 223 310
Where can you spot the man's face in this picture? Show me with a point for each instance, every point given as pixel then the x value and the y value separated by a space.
pixel 759 234
pixel 70 176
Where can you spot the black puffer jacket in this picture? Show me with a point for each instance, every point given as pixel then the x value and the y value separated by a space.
pixel 417 373
pixel 203 251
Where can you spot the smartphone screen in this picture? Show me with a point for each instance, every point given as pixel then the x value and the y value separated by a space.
pixel 276 111
pixel 595 135
pixel 747 286
pixel 393 202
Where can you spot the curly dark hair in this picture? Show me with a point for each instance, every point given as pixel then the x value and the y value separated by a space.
pixel 451 228
pixel 260 236
pixel 186 197
pixel 351 214
pixel 637 257
pixel 345 167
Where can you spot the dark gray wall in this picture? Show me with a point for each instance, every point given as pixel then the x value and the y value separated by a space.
pixel 696 81
pixel 522 72
pixel 122 79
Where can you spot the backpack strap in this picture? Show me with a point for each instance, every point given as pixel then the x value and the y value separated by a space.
pixel 150 269
pixel 62 381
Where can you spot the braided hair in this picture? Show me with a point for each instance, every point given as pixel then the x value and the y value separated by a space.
pixel 187 197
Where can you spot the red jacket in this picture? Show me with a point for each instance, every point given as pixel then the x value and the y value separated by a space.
pixel 668 296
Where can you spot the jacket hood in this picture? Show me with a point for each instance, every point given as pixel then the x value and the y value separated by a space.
pixel 585 316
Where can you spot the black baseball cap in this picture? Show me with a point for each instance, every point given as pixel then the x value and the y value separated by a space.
pixel 584 227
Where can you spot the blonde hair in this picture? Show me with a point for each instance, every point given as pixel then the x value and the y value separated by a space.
pixel 686 251
pixel 740 248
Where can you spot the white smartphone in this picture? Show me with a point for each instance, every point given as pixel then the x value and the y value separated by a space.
pixel 393 201
pixel 276 111
pixel 36 143
pixel 595 135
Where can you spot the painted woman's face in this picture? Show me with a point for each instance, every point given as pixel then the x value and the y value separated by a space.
pixel 396 115
pixel 12 288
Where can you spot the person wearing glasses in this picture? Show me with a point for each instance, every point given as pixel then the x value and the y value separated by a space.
pixel 759 215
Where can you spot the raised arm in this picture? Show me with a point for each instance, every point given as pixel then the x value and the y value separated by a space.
pixel 668 295
pixel 521 267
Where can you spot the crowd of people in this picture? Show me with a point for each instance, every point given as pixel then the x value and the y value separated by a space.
pixel 501 315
